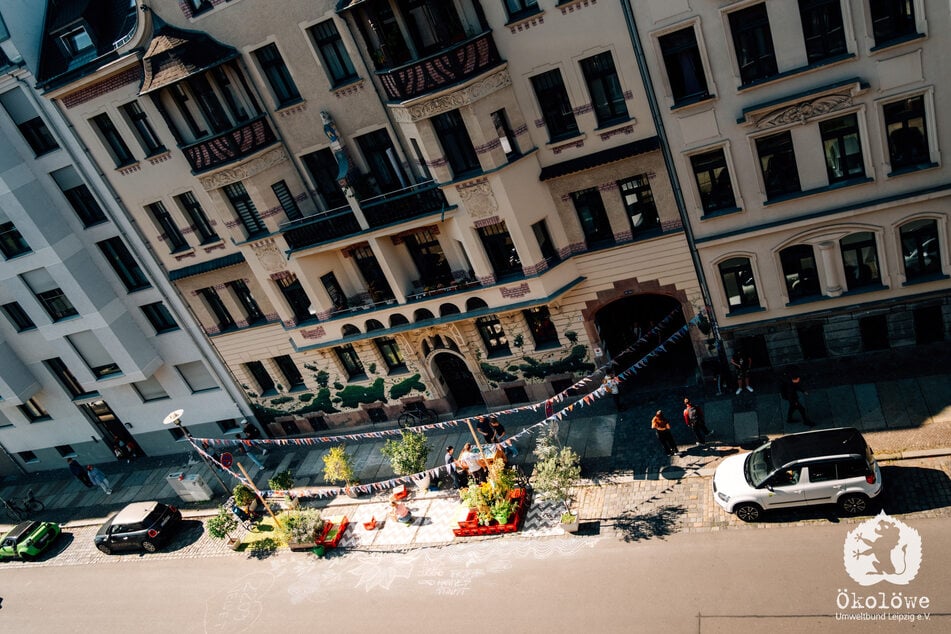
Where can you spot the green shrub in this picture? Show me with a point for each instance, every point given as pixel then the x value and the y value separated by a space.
pixel 352 395
pixel 281 481
pixel 402 388
pixel 301 526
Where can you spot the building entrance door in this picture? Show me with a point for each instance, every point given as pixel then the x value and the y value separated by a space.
pixel 459 380
pixel 110 428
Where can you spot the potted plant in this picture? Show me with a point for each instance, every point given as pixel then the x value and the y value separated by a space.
pixel 408 455
pixel 338 467
pixel 221 525
pixel 556 471
pixel 244 497
pixel 300 529
pixel 491 499
pixel 284 482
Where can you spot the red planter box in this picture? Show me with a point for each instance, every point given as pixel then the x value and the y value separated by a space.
pixel 470 527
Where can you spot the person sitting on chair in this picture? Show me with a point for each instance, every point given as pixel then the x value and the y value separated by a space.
pixel 400 512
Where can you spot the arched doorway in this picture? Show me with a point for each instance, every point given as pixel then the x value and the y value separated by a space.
pixel 459 381
pixel 620 324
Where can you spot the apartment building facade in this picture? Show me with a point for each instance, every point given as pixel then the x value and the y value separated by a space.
pixel 97 346
pixel 370 203
pixel 808 138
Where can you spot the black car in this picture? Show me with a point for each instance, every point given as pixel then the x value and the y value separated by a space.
pixel 139 526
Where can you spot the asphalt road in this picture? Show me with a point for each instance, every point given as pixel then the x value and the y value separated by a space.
pixel 781 579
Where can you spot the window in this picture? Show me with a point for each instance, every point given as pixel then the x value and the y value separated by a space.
pixel 800 272
pixel 243 205
pixel 545 244
pixel 28 457
pixel 66 378
pixel 286 200
pixel 139 122
pixel 125 266
pixel 12 243
pixel 607 98
pixel 500 249
pixel 907 134
pixel 688 81
pixel 860 259
pixel 94 354
pixel 333 53
pixel 18 317
pixel 422 169
pixel 592 216
pixel 33 411
pixel 555 105
pixel 53 300
pixel 170 231
pixel 177 434
pixel 493 336
pixel 391 354
pixel 30 124
pixel 542 329
pixel 199 221
pixel 738 284
pixel 277 75
pixel 520 8
pixel 66 451
pixel 208 103
pixel 323 169
pixel 366 262
pixel 196 376
pixel 150 390
pixel 224 320
pixel 504 133
pixel 180 98
pixel 229 426
pixel 382 161
pixel 337 297
pixel 456 144
pixel 261 377
pixel 842 148
pixel 777 162
pixel 159 317
pixel 76 41
pixel 429 258
pixel 292 376
pixel 639 203
pixel 351 362
pixel 713 181
pixel 296 297
pixel 892 20
pixel 199 6
pixel 113 140
pixel 78 196
pixel 252 311
pixel 753 43
pixel 822 29
pixel 919 248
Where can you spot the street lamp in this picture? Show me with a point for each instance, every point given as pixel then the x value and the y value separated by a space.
pixel 175 418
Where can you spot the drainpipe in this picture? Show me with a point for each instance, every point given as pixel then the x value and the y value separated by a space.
pixel 672 174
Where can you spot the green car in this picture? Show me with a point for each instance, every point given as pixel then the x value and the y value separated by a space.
pixel 28 539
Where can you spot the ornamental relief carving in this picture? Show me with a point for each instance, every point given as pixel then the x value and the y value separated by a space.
pixel 478 199
pixel 803 111
pixel 244 171
pixel 453 100
pixel 269 255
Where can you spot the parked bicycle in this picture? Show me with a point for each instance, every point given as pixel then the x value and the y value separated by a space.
pixel 416 414
pixel 18 509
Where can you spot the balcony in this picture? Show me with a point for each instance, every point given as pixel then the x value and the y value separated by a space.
pixel 404 204
pixel 230 146
pixel 320 228
pixel 436 72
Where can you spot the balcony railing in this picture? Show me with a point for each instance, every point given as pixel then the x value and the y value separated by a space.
pixel 451 66
pixel 312 230
pixel 404 204
pixel 230 146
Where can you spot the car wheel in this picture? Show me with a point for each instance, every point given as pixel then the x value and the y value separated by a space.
pixel 853 504
pixel 149 547
pixel 748 512
pixel 27 557
pixel 104 549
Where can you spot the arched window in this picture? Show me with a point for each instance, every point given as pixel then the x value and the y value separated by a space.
pixel 860 259
pixel 738 283
pixel 475 303
pixel 349 329
pixel 422 314
pixel 448 309
pixel 800 272
pixel 373 324
pixel 397 319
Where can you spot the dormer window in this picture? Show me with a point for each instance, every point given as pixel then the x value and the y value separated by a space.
pixel 77 41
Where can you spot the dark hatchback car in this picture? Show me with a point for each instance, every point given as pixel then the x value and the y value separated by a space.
pixel 139 526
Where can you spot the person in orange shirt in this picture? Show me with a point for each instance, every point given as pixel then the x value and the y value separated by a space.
pixel 661 426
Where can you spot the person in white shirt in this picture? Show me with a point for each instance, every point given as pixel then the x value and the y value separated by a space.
pixel 473 466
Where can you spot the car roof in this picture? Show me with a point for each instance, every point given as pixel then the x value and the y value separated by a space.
pixel 842 441
pixel 22 529
pixel 135 512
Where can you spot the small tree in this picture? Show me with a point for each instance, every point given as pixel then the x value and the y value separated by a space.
pixel 407 455
pixel 338 466
pixel 556 471
pixel 244 497
pixel 221 525
pixel 301 527
pixel 281 481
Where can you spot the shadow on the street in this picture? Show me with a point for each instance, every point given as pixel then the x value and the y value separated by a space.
pixel 909 489
pixel 189 532
pixel 661 522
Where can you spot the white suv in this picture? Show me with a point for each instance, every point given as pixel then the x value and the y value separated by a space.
pixel 828 466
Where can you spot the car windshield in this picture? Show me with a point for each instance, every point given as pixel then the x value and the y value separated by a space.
pixel 758 466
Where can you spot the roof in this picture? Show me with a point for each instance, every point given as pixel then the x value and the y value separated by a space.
pixel 135 513
pixel 205 267
pixel 603 157
pixel 817 444
pixel 22 529
pixel 175 54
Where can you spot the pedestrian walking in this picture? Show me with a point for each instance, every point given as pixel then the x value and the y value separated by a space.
pixel 120 451
pixel 789 390
pixel 661 426
pixel 498 436
pixel 243 450
pixel 695 420
pixel 742 362
pixel 98 478
pixel 484 425
pixel 79 471
pixel 612 386
pixel 455 481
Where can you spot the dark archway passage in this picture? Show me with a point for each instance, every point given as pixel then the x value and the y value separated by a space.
pixel 459 380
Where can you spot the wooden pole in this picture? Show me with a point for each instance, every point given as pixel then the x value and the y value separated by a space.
pixel 258 495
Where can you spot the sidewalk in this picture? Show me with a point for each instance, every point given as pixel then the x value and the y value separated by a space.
pixel 902 415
